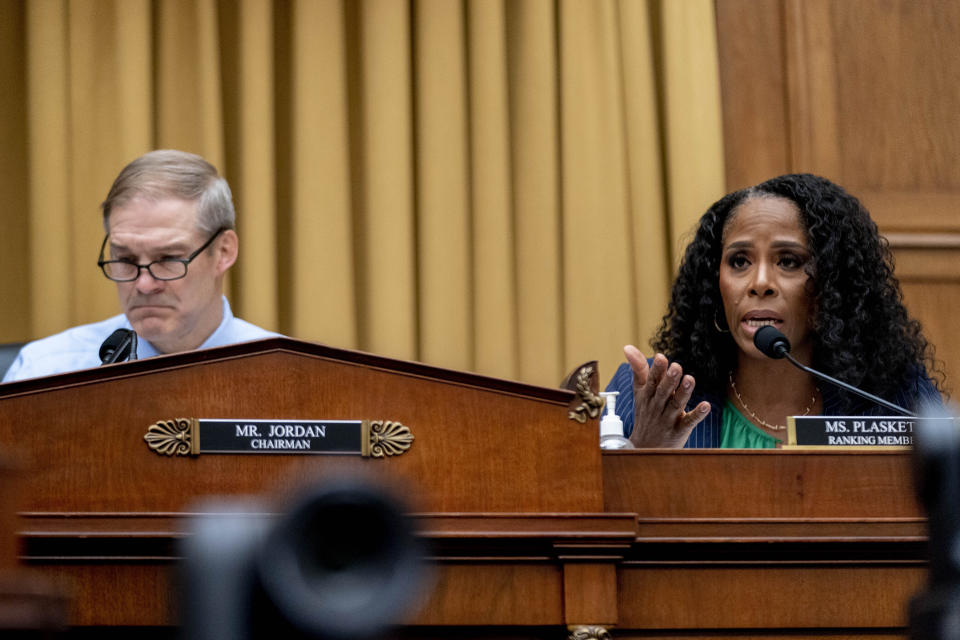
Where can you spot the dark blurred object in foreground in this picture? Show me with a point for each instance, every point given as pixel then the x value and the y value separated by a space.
pixel 342 563
pixel 935 612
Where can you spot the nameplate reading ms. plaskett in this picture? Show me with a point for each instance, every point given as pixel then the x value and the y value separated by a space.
pixel 193 436
pixel 852 431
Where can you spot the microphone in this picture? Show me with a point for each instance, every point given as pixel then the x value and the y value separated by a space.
pixel 119 346
pixel 774 344
pixel 771 342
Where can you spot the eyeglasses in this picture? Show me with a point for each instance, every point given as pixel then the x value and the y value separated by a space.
pixel 163 269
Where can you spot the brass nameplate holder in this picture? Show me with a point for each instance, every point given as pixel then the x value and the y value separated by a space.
pixel 193 436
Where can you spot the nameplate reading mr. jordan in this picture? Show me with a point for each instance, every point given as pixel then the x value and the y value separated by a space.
pixel 261 436
pixel 190 436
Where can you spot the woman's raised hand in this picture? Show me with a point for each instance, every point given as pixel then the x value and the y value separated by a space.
pixel 660 395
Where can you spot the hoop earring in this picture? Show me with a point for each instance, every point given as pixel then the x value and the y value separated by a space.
pixel 717 324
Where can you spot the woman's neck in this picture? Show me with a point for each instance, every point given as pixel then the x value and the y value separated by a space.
pixel 767 390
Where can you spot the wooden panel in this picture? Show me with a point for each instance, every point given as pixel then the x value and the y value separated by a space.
pixel 29 602
pixel 897 76
pixel 139 593
pixel 870 92
pixel 811 89
pixel 752 596
pixel 590 593
pixel 917 211
pixel 782 488
pixel 918 264
pixel 8 509
pixel 486 569
pixel 472 449
pixel 568 529
pixel 930 279
pixel 764 543
pixel 507 593
pixel 755 116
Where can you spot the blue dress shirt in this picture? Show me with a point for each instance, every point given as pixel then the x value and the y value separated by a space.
pixel 79 347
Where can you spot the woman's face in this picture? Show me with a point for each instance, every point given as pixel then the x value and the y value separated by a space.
pixel 762 277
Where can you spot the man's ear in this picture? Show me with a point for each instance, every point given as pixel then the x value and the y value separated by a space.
pixel 227 248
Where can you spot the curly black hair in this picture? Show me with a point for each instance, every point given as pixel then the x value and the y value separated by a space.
pixel 862 332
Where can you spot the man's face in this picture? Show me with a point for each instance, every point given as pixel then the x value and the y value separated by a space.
pixel 174 315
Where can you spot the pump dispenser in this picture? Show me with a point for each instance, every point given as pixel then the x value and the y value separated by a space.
pixel 611 426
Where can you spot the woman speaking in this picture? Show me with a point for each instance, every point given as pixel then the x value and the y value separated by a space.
pixel 798 253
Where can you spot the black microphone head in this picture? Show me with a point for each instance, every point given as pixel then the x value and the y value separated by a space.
pixel 771 342
pixel 117 346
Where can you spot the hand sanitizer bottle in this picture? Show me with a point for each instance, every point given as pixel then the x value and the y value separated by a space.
pixel 611 426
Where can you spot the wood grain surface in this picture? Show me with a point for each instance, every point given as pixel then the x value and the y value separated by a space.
pixel 530 527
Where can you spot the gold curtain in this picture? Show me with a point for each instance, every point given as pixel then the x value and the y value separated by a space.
pixel 492 185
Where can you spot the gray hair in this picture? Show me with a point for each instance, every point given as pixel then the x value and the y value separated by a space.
pixel 168 173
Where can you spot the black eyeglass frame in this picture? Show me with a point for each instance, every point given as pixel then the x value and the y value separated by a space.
pixel 185 261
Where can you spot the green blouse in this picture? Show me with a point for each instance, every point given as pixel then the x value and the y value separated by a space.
pixel 736 432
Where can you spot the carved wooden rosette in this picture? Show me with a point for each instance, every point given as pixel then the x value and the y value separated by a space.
pixel 583 381
pixel 177 437
pixel 589 633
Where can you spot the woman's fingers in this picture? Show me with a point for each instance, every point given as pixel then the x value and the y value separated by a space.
pixel 657 371
pixel 668 384
pixel 690 419
pixel 661 393
pixel 656 385
pixel 682 395
pixel 639 365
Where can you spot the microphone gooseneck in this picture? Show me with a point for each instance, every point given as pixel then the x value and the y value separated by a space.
pixel 774 344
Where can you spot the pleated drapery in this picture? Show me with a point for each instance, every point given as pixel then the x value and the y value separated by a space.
pixel 499 186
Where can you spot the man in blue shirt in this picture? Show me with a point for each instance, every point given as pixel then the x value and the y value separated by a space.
pixel 170 239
